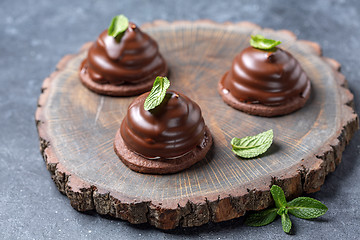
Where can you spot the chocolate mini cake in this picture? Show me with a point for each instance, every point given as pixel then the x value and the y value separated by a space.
pixel 267 82
pixel 167 139
pixel 122 66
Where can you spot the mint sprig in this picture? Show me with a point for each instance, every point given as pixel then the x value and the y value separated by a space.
pixel 301 207
pixel 260 42
pixel 118 26
pixel 252 146
pixel 157 93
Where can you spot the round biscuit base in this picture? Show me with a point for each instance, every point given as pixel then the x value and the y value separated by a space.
pixel 123 90
pixel 143 165
pixel 260 109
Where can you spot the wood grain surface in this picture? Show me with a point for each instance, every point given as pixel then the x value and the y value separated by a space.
pixel 77 129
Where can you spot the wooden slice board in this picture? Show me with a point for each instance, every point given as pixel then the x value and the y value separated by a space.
pixel 77 128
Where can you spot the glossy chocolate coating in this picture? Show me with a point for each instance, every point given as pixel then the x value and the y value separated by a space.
pixel 266 77
pixel 134 59
pixel 171 130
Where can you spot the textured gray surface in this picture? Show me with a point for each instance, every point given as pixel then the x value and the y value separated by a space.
pixel 36 34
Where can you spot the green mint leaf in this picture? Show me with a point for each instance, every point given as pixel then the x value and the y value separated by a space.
pixel 278 196
pixel 286 223
pixel 307 208
pixel 118 26
pixel 261 218
pixel 253 146
pixel 157 93
pixel 260 42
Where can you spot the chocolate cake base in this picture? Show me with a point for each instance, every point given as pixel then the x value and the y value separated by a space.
pixel 117 90
pixel 260 109
pixel 143 165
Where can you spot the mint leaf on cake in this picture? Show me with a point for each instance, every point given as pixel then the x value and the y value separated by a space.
pixel 157 93
pixel 260 42
pixel 118 26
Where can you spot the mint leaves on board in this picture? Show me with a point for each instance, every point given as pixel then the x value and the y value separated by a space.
pixel 253 146
pixel 260 42
pixel 118 26
pixel 157 93
pixel 301 207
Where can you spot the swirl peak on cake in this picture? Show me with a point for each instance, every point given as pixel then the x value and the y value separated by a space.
pixel 171 130
pixel 268 77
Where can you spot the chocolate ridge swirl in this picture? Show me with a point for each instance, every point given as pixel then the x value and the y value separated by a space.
pixel 266 77
pixel 171 130
pixel 134 59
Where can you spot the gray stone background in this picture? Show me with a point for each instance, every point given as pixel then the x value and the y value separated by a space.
pixel 36 34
